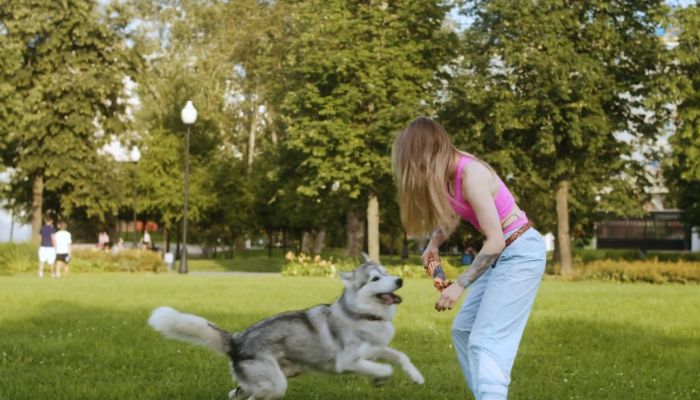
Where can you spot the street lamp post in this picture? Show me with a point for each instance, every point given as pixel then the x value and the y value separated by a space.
pixel 134 157
pixel 188 116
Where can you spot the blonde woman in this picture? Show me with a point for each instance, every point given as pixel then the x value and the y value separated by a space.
pixel 438 184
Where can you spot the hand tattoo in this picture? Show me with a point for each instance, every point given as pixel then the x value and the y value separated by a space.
pixel 479 265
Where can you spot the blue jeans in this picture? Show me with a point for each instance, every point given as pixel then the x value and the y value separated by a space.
pixel 487 329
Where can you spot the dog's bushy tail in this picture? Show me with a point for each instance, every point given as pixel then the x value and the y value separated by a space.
pixel 189 328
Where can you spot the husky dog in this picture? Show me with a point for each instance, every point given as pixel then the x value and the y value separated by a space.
pixel 347 336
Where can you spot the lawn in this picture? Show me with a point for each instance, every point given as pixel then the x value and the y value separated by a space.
pixel 85 337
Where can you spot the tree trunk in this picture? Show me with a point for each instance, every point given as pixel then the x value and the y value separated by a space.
pixel 563 242
pixel 373 227
pixel 306 242
pixel 177 244
pixel 269 245
pixel 37 202
pixel 12 222
pixel 404 248
pixel 319 241
pixel 252 131
pixel 355 231
pixel 273 130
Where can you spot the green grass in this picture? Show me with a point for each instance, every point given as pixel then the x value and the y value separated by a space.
pixel 85 337
pixel 236 265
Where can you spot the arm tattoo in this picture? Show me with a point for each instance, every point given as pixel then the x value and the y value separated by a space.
pixel 478 267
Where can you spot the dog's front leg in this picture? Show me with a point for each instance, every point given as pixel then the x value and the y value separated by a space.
pixel 364 367
pixel 402 359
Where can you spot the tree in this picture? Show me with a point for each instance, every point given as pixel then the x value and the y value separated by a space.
pixel 548 90
pixel 683 165
pixel 65 65
pixel 192 51
pixel 355 73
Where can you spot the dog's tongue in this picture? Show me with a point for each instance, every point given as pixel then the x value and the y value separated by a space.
pixel 390 298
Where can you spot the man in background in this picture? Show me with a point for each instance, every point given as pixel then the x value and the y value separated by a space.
pixel 47 251
pixel 63 246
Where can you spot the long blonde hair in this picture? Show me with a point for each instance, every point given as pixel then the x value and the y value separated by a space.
pixel 423 159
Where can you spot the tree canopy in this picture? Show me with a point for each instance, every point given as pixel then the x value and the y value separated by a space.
pixel 64 68
pixel 683 165
pixel 557 94
pixel 299 101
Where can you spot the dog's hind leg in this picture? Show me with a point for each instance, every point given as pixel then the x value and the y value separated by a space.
pixel 261 378
pixel 402 359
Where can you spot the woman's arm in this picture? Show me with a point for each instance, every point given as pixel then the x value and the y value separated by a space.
pixel 432 249
pixel 476 186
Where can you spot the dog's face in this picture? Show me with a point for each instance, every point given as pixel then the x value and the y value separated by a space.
pixel 370 283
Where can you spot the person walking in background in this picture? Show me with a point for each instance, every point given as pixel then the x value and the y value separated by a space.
pixel 63 249
pixel 147 245
pixel 118 246
pixel 47 251
pixel 103 240
pixel 438 184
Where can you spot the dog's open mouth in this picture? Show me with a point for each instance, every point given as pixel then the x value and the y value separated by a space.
pixel 389 298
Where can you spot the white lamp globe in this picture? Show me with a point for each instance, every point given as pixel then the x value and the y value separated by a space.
pixel 188 113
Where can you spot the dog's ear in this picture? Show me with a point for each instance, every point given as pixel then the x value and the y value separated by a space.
pixel 347 277
pixel 366 258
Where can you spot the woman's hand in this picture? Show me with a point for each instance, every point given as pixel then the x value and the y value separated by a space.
pixel 449 297
pixel 431 252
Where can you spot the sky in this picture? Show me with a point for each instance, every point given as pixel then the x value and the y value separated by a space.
pixel 463 21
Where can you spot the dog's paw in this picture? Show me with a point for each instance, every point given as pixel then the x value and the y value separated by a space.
pixel 416 377
pixel 378 382
pixel 237 394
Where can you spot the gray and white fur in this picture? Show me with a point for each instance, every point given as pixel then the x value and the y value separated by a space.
pixel 348 336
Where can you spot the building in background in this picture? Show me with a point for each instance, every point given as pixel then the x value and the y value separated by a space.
pixel 661 228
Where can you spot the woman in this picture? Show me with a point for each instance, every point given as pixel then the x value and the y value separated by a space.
pixel 437 184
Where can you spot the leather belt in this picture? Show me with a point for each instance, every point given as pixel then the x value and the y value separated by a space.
pixel 518 232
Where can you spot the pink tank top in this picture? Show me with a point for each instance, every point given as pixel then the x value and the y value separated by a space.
pixel 503 199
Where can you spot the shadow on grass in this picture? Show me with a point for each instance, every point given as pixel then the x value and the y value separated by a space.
pixel 568 358
pixel 68 351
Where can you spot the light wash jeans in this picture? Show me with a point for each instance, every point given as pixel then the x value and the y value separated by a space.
pixel 487 329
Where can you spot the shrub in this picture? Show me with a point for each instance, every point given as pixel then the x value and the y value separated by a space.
pixel 22 258
pixel 18 257
pixel 303 265
pixel 126 260
pixel 673 256
pixel 652 271
pixel 590 255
